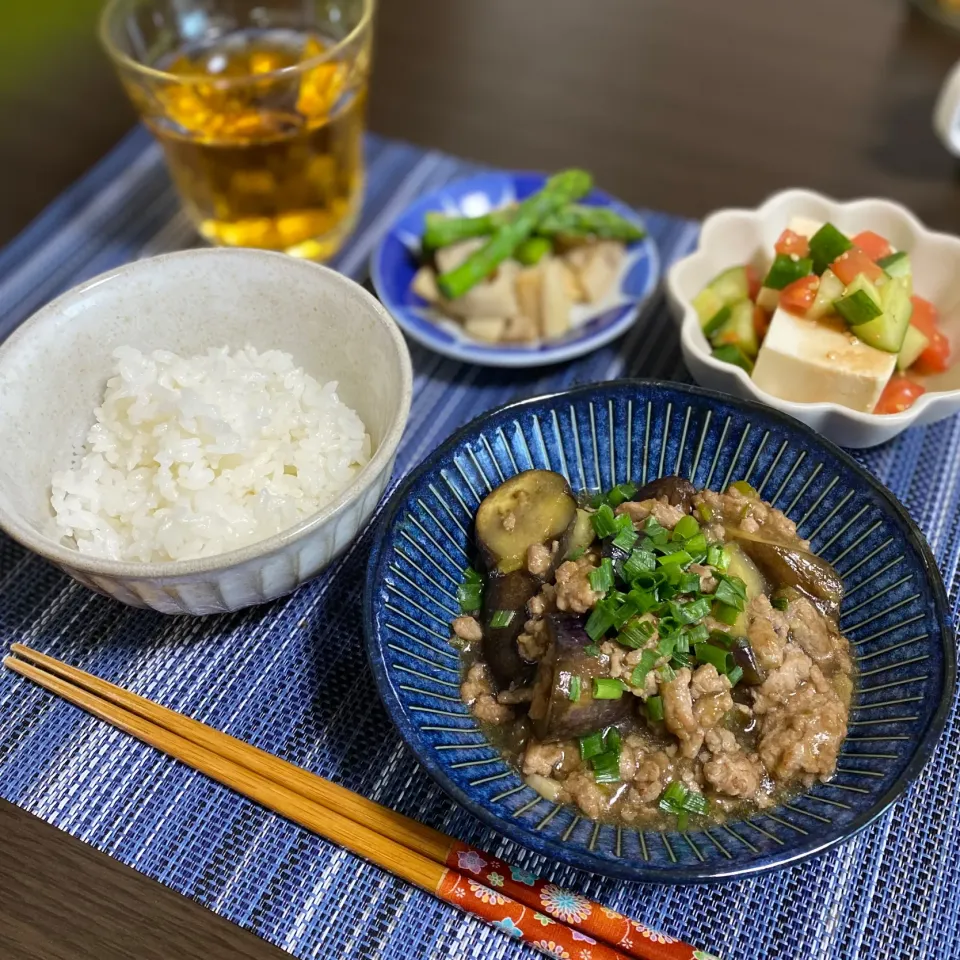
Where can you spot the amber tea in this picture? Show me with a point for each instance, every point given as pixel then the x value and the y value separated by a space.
pixel 264 138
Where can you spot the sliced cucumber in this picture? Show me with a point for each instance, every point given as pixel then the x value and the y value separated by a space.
pixel 731 354
pixel 717 321
pixel 738 330
pixel 898 265
pixel 829 291
pixel 887 331
pixel 732 285
pixel 785 270
pixel 768 298
pixel 826 245
pixel 914 343
pixel 861 302
pixel 707 303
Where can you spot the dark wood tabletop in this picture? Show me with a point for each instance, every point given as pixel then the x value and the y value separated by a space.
pixel 680 105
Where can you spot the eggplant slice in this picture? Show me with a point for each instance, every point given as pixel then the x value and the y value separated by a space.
pixel 508 591
pixel 679 492
pixel 785 566
pixel 555 716
pixel 535 506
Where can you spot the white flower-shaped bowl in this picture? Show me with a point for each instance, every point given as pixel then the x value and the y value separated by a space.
pixel 733 237
pixel 53 370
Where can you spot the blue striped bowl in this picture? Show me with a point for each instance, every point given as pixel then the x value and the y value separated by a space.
pixel 396 259
pixel 894 613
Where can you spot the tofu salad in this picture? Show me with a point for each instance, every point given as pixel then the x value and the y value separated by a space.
pixel 834 319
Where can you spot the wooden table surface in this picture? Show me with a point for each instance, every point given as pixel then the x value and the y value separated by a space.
pixel 681 105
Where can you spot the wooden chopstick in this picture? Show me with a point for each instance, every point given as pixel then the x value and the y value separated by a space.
pixel 411 850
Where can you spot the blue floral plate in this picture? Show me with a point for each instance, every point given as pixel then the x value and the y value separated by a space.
pixel 894 612
pixel 395 261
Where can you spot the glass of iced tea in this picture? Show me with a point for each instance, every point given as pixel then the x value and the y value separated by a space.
pixel 259 106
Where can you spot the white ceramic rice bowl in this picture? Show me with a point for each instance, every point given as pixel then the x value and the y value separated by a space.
pixel 732 237
pixel 54 366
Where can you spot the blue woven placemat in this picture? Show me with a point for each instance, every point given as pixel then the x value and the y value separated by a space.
pixel 291 677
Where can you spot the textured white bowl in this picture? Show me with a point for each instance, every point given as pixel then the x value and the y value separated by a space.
pixel 732 237
pixel 52 375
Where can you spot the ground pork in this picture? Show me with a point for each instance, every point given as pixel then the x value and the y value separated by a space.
pixel 663 512
pixel 767 632
pixel 477 692
pixel 813 633
pixel 534 640
pixel 580 788
pixel 678 713
pixel 542 758
pixel 734 774
pixel 573 593
pixel 710 693
pixel 539 559
pixel 468 628
pixel 708 582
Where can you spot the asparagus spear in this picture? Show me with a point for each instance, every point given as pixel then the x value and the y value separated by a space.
pixel 576 221
pixel 441 230
pixel 560 189
pixel 533 250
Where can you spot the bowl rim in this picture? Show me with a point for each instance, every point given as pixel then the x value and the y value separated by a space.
pixel 506 355
pixel 690 326
pixel 25 534
pixel 583 859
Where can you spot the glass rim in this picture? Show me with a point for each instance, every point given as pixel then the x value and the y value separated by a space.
pixel 124 60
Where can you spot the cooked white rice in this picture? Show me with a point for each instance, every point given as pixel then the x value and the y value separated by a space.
pixel 194 457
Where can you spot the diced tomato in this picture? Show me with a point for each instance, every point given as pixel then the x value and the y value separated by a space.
pixel 792 243
pixel 753 281
pixel 899 395
pixel 872 244
pixel 936 358
pixel 798 297
pixel 761 322
pixel 853 262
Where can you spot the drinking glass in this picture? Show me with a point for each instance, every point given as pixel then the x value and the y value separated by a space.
pixel 259 106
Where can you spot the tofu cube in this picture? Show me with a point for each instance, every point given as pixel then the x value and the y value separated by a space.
pixel 811 361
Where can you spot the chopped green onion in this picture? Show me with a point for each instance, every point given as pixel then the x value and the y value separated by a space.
pixel 471 576
pixel 781 603
pixel 470 596
pixel 731 591
pixel 612 741
pixel 648 660
pixel 719 638
pixel 714 555
pixel 601 578
pixel 626 538
pixel 575 684
pixel 636 634
pixel 724 613
pixel 735 676
pixel 591 650
pixel 598 500
pixel 623 613
pixel 705 511
pixel 697 545
pixel 695 803
pixel 697 634
pixel 502 618
pixel 576 554
pixel 721 659
pixel 606 768
pixel 694 611
pixel 679 557
pixel 686 528
pixel 591 745
pixel 620 493
pixel 639 561
pixel 655 708
pixel 683 820
pixel 748 490
pixel 688 583
pixel 606 688
pixel 666 673
pixel 681 641
pixel 680 660
pixel 654 529
pixel 643 600
pixel 604 521
pixel 667 645
pixel 599 621
pixel 671 800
